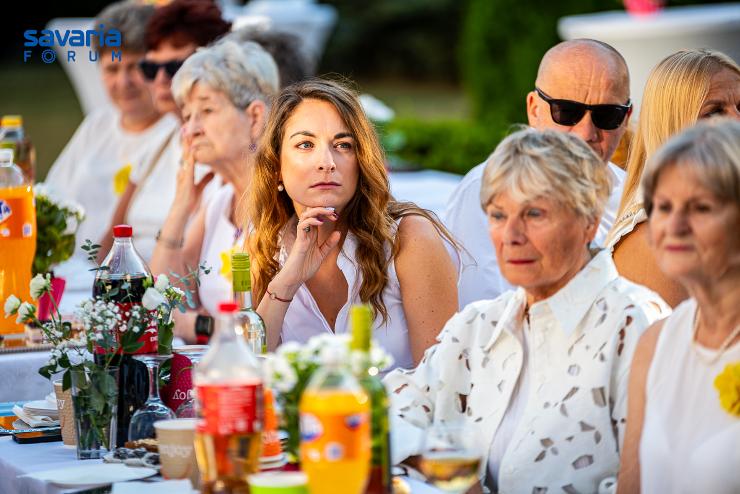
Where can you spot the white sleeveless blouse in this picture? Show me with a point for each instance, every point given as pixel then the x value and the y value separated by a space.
pixel 689 444
pixel 304 319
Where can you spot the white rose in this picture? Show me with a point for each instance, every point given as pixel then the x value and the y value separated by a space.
pixel 152 299
pixel 281 373
pixel 25 311
pixel 40 284
pixel 11 305
pixel 162 283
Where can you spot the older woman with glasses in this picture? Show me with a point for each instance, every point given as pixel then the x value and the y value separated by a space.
pixel 683 432
pixel 173 33
pixel 685 87
pixel 538 375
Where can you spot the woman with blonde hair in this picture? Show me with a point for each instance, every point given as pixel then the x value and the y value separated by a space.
pixel 326 233
pixel 685 87
pixel 683 423
pixel 539 375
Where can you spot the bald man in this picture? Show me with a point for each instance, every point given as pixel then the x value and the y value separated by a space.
pixel 582 72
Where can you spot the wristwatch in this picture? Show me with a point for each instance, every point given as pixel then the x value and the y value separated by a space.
pixel 203 329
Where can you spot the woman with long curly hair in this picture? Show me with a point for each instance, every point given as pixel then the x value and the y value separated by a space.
pixel 327 234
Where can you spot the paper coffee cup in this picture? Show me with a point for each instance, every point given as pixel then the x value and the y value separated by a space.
pixel 66 414
pixel 278 483
pixel 176 454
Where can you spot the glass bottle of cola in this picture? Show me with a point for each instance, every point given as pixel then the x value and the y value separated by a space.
pixel 121 279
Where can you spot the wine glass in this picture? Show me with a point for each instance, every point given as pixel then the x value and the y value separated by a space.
pixel 154 410
pixel 194 353
pixel 448 457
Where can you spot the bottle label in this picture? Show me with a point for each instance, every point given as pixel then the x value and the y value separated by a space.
pixel 229 409
pixel 149 338
pixel 334 437
pixel 16 217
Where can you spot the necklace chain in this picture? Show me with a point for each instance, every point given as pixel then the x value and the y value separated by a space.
pixel 722 348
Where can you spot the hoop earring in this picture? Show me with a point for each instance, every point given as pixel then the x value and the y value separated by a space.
pixel 280 187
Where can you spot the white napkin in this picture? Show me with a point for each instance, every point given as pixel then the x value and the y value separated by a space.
pixel 164 487
pixel 34 420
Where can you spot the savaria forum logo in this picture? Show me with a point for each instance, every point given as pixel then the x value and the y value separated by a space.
pixel 48 39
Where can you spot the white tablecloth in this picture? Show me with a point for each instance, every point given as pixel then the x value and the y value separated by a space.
pixel 18 459
pixel 20 379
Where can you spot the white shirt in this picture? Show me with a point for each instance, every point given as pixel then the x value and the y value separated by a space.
pixel 304 319
pixel 100 147
pixel 689 442
pixel 481 278
pixel 582 340
pixel 219 237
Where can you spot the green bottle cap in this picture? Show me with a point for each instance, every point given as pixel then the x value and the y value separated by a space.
pixel 361 323
pixel 240 272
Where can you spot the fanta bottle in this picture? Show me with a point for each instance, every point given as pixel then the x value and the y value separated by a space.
pixel 335 430
pixel 17 236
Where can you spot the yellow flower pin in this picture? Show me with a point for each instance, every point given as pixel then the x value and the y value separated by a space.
pixel 225 270
pixel 728 385
pixel 120 179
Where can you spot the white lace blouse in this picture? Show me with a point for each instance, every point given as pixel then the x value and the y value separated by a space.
pixel 580 348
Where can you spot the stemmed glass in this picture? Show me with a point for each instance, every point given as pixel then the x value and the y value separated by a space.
pixel 448 457
pixel 154 410
pixel 194 353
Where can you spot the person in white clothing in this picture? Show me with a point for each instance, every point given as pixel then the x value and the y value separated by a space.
pixel 684 407
pixel 173 33
pixel 113 140
pixel 224 91
pixel 582 88
pixel 685 87
pixel 538 375
pixel 327 234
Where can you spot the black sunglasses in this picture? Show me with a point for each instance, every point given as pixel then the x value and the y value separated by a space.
pixel 567 112
pixel 150 69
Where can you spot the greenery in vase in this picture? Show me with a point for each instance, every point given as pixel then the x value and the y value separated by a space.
pixel 57 222
pixel 291 367
pixel 105 334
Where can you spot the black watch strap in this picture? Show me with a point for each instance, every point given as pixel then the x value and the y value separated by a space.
pixel 203 328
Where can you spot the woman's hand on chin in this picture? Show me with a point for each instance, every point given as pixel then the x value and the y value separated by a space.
pixel 309 250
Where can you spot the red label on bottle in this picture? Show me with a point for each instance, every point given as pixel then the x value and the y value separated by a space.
pixel 149 338
pixel 229 409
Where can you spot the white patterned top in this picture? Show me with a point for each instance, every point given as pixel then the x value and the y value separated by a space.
pixel 581 344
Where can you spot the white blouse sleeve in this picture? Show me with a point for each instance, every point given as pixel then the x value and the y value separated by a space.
pixel 415 393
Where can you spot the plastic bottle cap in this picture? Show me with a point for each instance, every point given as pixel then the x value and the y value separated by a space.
pixel 12 121
pixel 123 231
pixel 6 155
pixel 228 307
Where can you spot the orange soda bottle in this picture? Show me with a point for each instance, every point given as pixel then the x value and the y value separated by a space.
pixel 17 236
pixel 335 430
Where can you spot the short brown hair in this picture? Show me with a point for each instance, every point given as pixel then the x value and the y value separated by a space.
pixel 186 21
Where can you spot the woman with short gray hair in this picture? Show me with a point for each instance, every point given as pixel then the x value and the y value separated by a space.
pixel 684 418
pixel 538 375
pixel 224 92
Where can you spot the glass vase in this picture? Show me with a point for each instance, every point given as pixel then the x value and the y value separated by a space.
pixel 95 400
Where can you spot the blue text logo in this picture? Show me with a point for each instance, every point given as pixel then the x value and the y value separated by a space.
pixel 74 38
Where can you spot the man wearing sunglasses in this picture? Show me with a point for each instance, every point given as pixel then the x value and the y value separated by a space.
pixel 582 87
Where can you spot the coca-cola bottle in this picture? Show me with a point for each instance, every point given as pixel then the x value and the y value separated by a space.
pixel 229 405
pixel 120 279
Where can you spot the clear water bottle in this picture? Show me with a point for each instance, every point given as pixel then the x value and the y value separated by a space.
pixel 253 327
pixel 13 136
